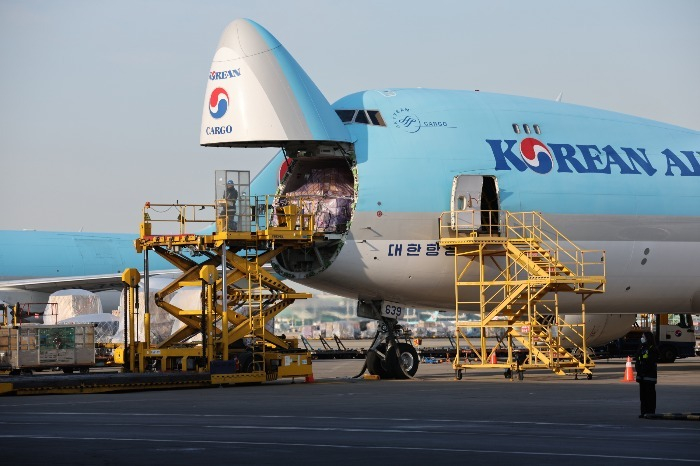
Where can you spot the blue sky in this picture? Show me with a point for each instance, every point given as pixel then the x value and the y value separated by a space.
pixel 100 102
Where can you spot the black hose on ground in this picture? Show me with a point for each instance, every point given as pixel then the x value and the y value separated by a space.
pixel 362 371
pixel 364 365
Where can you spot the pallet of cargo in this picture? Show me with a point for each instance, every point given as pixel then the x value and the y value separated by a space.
pixel 32 347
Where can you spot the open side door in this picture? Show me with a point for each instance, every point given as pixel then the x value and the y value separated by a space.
pixel 474 203
pixel 466 200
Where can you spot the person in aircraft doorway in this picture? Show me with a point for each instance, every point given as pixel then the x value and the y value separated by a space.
pixel 645 367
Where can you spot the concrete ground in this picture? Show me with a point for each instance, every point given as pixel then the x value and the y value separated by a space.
pixel 431 419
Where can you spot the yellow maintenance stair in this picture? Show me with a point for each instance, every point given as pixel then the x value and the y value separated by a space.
pixel 512 270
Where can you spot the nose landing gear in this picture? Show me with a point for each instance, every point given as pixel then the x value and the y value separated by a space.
pixel 391 355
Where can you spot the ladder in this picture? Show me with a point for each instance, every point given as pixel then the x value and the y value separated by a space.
pixel 510 275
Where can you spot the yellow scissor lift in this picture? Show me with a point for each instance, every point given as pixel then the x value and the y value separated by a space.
pixel 228 337
pixel 510 268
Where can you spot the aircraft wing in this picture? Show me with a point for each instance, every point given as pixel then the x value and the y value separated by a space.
pixel 85 282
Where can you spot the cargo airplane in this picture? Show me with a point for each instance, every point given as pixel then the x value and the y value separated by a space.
pixel 385 164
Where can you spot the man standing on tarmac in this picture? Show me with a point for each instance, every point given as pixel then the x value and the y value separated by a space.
pixel 645 367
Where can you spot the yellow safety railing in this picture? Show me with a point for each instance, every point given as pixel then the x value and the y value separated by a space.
pixel 253 213
pixel 531 229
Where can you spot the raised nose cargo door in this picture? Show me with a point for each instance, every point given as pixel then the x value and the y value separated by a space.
pixel 258 96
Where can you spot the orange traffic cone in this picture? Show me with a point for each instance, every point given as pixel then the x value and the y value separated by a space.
pixel 309 378
pixel 629 373
pixel 494 358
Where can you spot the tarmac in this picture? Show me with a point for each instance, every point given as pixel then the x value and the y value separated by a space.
pixel 431 419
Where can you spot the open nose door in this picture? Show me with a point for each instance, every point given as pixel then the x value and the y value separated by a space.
pixel 258 96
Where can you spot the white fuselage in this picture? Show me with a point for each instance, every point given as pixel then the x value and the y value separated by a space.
pixel 647 263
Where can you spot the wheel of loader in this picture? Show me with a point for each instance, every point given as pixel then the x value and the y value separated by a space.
pixel 667 354
pixel 245 359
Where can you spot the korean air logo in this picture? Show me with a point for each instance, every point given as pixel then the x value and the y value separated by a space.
pixel 536 155
pixel 406 120
pixel 218 103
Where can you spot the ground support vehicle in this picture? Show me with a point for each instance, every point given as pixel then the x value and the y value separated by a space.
pixel 674 335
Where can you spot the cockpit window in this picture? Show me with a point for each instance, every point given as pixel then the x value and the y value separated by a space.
pixel 376 117
pixel 345 115
pixel 362 117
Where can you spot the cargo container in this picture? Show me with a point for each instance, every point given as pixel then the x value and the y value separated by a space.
pixel 27 348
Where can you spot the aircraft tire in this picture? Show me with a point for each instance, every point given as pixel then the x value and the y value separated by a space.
pixel 375 365
pixel 405 364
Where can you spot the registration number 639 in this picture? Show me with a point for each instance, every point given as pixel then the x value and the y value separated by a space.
pixel 392 310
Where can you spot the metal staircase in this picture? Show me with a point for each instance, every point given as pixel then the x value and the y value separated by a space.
pixel 510 275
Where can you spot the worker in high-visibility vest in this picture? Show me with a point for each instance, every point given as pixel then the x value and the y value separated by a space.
pixel 645 367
